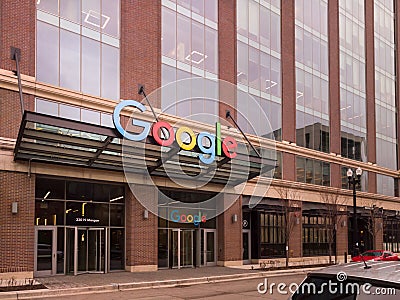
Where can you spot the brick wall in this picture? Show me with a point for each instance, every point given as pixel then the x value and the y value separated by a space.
pixel 17 23
pixel 17 230
pixel 141 234
pixel 10 112
pixel 140 48
pixel 295 239
pixel 342 230
pixel 378 233
pixel 227 64
pixel 229 232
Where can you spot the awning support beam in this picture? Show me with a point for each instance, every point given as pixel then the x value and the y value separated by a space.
pixel 16 55
pixel 228 115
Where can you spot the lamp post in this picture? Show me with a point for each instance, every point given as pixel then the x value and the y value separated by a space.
pixel 353 181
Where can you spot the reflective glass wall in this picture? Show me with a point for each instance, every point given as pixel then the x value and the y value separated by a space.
pixel 259 66
pixel 77 45
pixel 385 82
pixel 312 82
pixel 352 79
pixel 189 46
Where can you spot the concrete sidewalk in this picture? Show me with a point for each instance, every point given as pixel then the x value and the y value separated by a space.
pixel 95 283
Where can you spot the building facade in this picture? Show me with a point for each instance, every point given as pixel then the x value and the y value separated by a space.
pixel 316 77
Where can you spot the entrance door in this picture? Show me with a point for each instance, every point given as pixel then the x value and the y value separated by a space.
pixel 86 250
pixel 186 249
pixel 246 246
pixel 210 244
pixel 182 248
pixel 45 251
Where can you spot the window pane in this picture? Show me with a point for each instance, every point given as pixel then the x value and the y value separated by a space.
pixel 70 112
pixel 211 10
pixel 110 72
pixel 47 53
pixel 110 17
pixel 211 50
pixel 90 116
pixel 46 107
pixel 91 16
pixel 90 66
pixel 50 6
pixel 69 60
pixel 183 38
pixel 168 28
pixel 70 9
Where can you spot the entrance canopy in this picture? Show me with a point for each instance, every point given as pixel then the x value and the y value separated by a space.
pixel 49 139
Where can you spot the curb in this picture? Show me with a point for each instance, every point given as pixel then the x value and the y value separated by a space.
pixel 113 287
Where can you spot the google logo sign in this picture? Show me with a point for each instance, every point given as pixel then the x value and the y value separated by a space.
pixel 182 218
pixel 215 145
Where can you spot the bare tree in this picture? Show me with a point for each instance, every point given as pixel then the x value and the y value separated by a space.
pixel 375 211
pixel 334 212
pixel 289 197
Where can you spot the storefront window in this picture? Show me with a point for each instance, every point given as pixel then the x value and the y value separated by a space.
pixel 316 230
pixel 91 208
pixel 272 229
pixel 391 233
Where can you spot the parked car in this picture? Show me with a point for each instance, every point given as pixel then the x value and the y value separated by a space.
pixel 379 280
pixel 377 255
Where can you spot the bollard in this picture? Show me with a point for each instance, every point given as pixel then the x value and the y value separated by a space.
pixel 345 257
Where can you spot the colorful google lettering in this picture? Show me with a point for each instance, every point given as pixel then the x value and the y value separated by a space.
pixel 175 216
pixel 216 146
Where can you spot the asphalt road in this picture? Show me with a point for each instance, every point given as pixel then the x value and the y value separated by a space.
pixel 239 289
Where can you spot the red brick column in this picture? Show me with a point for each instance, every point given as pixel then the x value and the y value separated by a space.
pixel 17 234
pixel 141 233
pixel 230 233
pixel 140 48
pixel 227 63
pixel 17 23
pixel 342 230
pixel 295 239
pixel 370 90
pixel 378 233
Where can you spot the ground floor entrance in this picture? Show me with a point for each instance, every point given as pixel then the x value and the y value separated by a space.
pixel 86 250
pixel 187 248
pixel 83 250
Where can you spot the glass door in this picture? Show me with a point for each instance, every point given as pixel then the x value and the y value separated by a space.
pixel 96 250
pixel 45 251
pixel 85 250
pixel 175 245
pixel 186 248
pixel 246 246
pixel 210 244
pixel 70 249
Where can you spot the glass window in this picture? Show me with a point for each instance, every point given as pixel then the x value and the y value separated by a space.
pixel 110 72
pixel 70 112
pixel 70 9
pixel 50 6
pixel 47 53
pixel 90 66
pixel 67 57
pixel 168 29
pixel 69 60
pixel 47 107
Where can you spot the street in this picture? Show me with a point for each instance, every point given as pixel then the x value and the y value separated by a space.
pixel 239 289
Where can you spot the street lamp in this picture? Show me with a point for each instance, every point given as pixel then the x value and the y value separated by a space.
pixel 354 181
